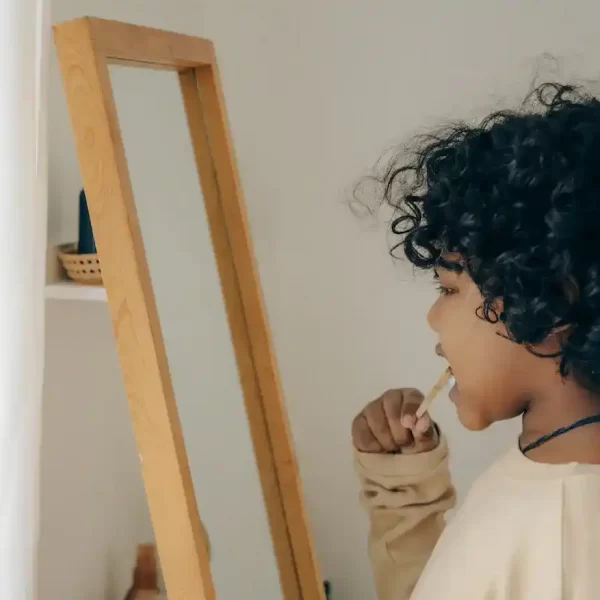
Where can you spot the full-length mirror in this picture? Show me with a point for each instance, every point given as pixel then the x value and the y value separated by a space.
pixel 194 347
pixel 193 322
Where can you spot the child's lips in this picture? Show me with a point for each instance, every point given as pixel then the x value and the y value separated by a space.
pixel 453 394
pixel 440 352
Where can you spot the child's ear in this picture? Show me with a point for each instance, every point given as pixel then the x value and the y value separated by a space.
pixel 560 334
pixel 550 347
pixel 557 338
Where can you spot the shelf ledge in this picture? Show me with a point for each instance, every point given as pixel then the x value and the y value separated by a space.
pixel 69 290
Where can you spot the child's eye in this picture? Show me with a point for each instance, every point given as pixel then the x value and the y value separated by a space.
pixel 445 291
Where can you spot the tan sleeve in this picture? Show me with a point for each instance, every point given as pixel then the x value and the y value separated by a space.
pixel 406 497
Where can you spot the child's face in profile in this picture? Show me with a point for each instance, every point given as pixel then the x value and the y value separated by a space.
pixel 495 377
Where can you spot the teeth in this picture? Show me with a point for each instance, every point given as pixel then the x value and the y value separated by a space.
pixel 452 381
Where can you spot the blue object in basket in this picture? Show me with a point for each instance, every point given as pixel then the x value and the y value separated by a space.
pixel 87 244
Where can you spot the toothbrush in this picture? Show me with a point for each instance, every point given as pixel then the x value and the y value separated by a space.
pixel 441 383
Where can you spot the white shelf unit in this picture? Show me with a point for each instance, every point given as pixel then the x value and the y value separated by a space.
pixel 69 290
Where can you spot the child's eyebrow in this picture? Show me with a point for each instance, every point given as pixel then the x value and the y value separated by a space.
pixel 439 271
pixel 456 266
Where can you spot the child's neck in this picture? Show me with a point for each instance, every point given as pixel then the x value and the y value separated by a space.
pixel 559 407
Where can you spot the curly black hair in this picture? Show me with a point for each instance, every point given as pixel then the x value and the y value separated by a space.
pixel 517 197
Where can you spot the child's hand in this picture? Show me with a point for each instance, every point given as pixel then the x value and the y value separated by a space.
pixel 389 425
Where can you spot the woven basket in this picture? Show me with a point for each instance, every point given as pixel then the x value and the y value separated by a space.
pixel 82 268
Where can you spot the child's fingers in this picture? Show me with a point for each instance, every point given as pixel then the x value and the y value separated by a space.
pixel 425 442
pixel 392 406
pixel 379 425
pixel 422 426
pixel 411 402
pixel 363 438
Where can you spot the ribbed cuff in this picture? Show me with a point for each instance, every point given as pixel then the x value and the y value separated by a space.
pixel 401 465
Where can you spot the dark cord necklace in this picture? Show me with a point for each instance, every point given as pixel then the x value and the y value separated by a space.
pixel 560 431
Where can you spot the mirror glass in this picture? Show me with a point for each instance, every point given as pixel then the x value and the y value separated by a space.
pixel 194 326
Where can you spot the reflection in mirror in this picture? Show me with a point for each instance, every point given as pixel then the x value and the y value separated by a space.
pixel 194 326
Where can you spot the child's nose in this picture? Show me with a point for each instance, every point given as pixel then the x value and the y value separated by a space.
pixel 432 318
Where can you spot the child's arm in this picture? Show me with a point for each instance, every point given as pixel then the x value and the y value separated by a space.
pixel 406 497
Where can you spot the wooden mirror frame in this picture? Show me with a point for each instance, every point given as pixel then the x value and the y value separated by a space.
pixel 85 48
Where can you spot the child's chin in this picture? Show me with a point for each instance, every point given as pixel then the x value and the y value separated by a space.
pixel 471 420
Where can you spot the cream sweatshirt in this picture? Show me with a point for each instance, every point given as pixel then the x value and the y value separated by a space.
pixel 526 531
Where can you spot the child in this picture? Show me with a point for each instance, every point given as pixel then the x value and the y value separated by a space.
pixel 507 215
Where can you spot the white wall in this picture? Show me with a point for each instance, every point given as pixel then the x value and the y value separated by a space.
pixel 93 509
pixel 315 91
